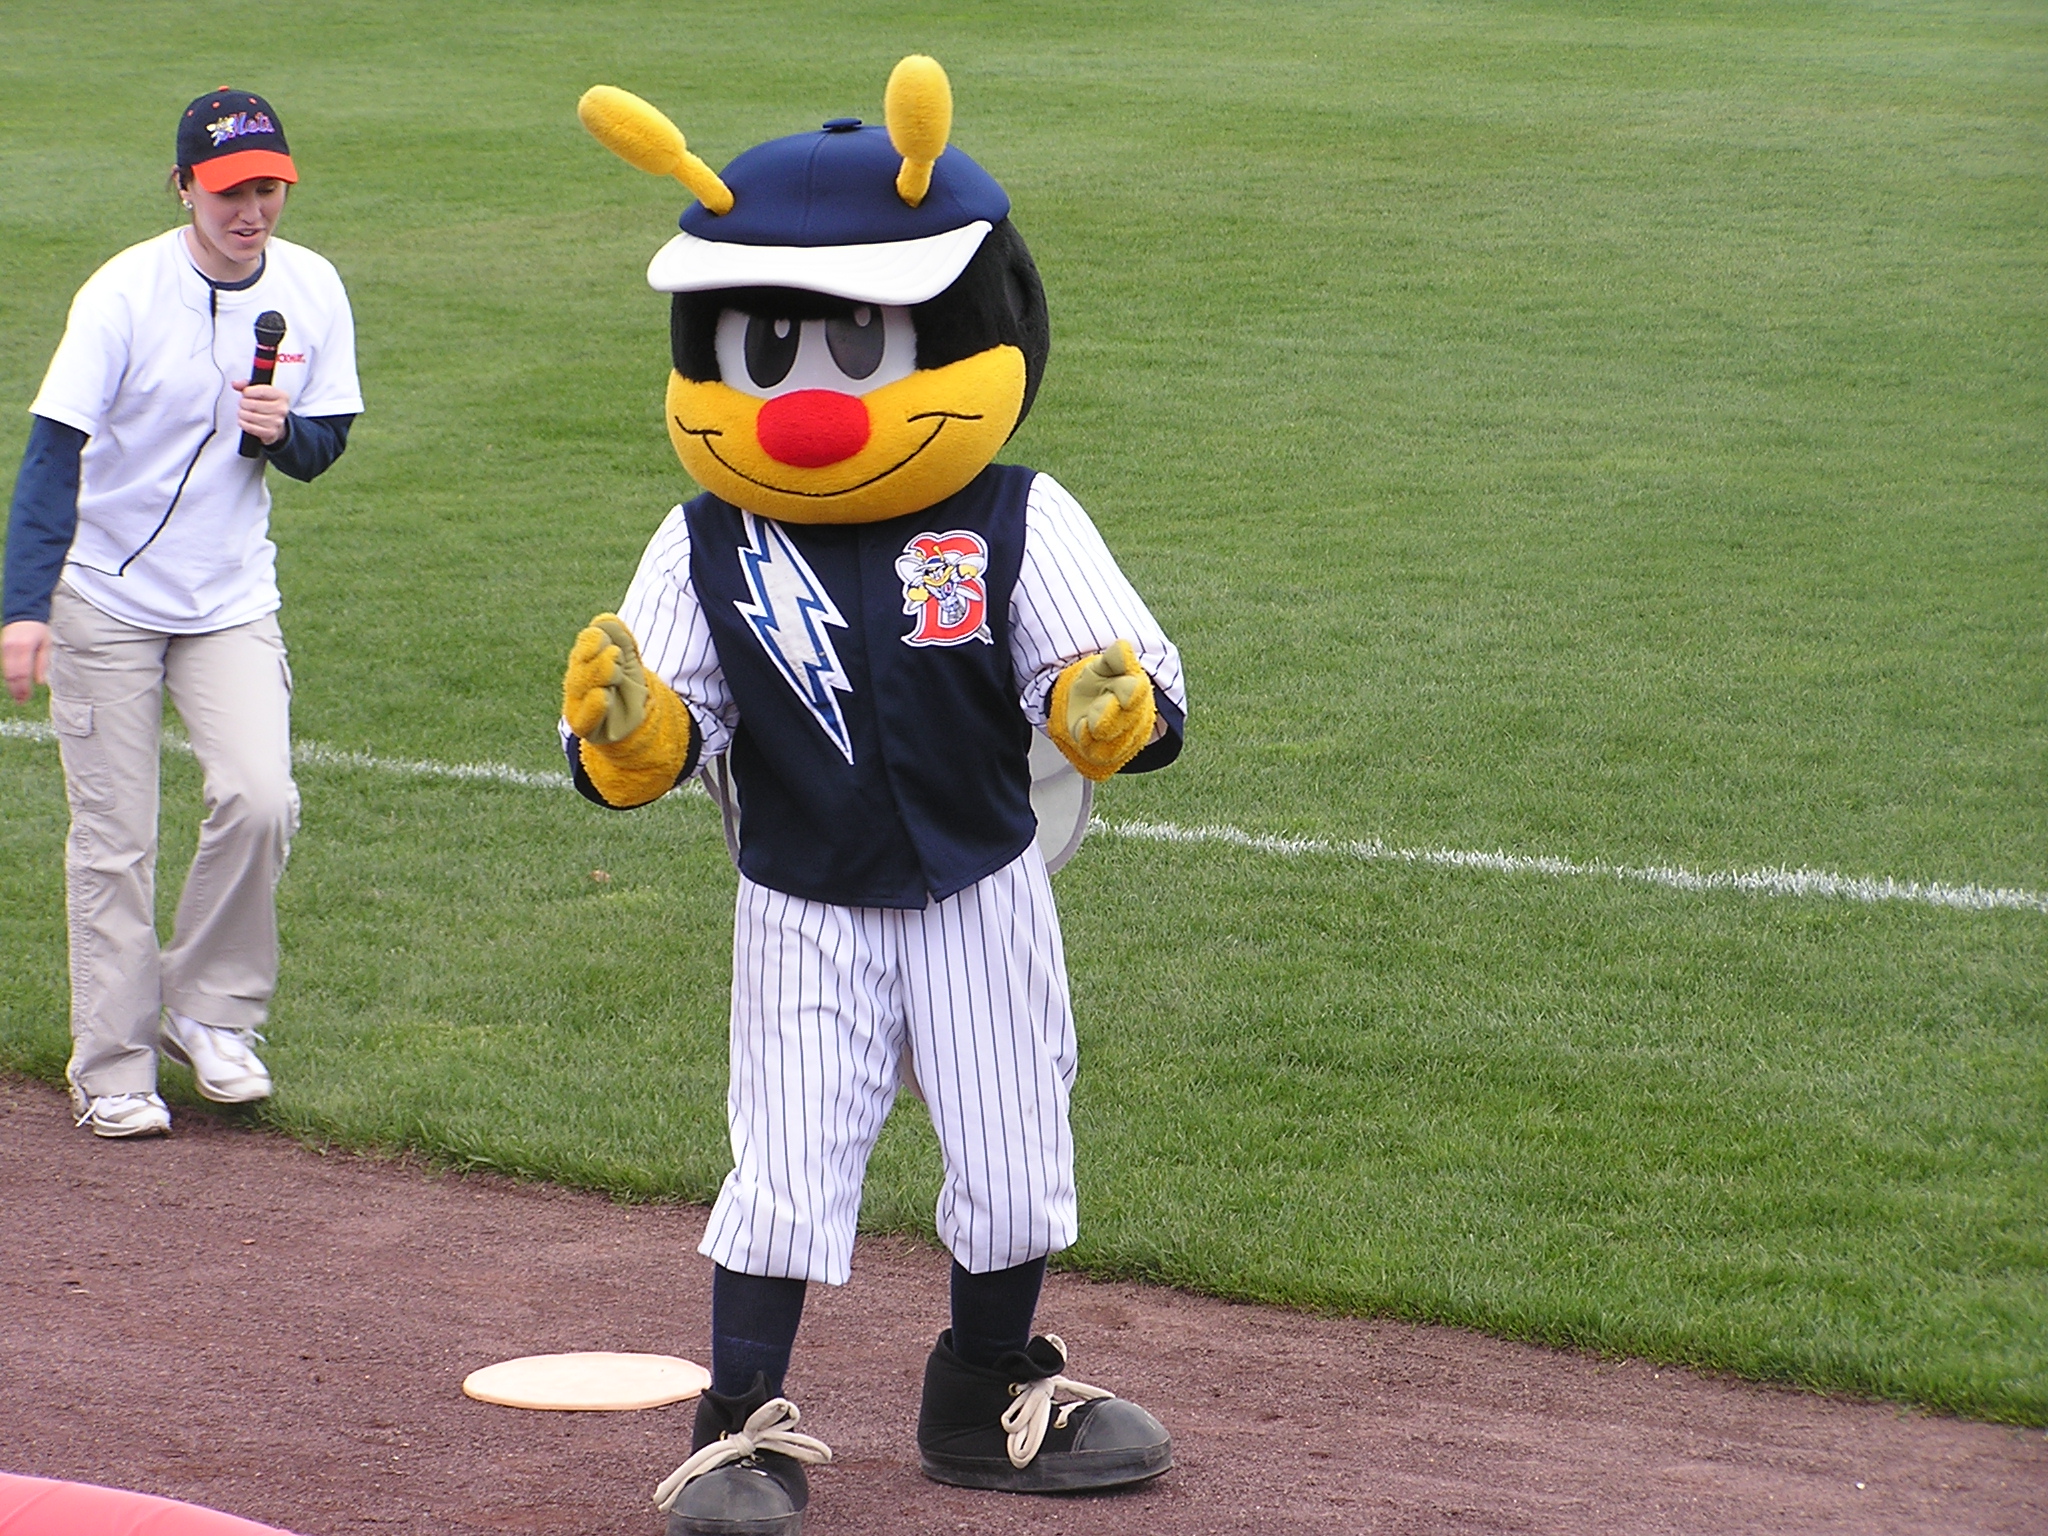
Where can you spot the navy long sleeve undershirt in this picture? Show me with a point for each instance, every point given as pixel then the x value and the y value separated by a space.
pixel 309 444
pixel 44 516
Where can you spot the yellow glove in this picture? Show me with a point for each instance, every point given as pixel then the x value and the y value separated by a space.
pixel 1102 713
pixel 604 692
pixel 635 732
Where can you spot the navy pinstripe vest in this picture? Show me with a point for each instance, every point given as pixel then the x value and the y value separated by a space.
pixel 881 756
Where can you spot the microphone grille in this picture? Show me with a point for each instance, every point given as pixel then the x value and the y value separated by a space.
pixel 270 328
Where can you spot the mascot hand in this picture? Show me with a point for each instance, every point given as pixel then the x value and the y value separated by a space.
pixel 1102 713
pixel 604 692
pixel 635 732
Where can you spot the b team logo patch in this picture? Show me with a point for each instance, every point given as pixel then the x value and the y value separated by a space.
pixel 943 588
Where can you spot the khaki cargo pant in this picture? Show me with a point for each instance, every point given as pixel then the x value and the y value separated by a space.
pixel 232 688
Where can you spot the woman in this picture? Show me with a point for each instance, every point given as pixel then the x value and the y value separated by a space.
pixel 139 561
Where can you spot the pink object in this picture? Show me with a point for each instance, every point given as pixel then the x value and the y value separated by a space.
pixel 811 428
pixel 39 1506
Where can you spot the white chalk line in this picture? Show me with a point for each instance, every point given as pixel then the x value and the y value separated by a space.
pixel 316 754
pixel 1762 882
pixel 1768 881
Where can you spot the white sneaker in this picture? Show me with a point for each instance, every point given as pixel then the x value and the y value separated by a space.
pixel 116 1115
pixel 222 1059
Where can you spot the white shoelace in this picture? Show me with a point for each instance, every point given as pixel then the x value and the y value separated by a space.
pixel 771 1427
pixel 115 1104
pixel 1027 1419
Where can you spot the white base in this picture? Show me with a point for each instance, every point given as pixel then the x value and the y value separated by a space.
pixel 591 1380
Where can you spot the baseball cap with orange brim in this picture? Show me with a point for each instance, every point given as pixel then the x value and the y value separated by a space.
pixel 228 137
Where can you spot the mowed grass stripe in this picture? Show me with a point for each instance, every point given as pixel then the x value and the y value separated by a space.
pixel 1755 882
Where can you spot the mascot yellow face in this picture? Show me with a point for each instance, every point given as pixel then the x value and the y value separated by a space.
pixel 857 327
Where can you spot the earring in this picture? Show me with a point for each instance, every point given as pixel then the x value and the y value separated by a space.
pixel 188 205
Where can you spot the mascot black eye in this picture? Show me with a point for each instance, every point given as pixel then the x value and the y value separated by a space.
pixel 771 349
pixel 857 341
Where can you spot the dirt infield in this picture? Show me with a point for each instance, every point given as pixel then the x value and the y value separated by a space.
pixel 226 1317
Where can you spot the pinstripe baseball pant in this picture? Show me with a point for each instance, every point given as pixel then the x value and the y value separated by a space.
pixel 826 1003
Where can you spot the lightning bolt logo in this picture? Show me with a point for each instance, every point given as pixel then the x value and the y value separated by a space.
pixel 790 614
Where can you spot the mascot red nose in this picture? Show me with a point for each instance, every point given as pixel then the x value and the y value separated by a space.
pixel 900 667
pixel 813 428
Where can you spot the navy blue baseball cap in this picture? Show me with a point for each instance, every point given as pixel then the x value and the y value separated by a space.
pixel 228 137
pixel 820 211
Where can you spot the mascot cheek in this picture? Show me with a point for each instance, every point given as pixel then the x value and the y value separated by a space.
pixel 931 434
pixel 711 411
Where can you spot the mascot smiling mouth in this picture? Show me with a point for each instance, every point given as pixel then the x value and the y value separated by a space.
pixel 710 434
pixel 826 456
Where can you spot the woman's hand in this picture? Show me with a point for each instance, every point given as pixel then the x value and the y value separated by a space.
pixel 263 410
pixel 25 654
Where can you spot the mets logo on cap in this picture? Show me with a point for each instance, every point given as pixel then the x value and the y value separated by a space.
pixel 227 137
pixel 942 587
pixel 235 124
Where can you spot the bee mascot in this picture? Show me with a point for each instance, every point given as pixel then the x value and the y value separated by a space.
pixel 864 618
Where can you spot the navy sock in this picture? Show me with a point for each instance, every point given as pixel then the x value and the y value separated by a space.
pixel 753 1326
pixel 992 1313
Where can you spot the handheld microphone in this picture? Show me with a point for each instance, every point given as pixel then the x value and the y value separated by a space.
pixel 269 332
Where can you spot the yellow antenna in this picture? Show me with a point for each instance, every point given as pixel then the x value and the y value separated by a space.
pixel 918 107
pixel 639 134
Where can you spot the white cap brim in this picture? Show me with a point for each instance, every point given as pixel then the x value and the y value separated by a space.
pixel 893 272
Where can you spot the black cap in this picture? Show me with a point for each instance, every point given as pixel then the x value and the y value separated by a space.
pixel 229 137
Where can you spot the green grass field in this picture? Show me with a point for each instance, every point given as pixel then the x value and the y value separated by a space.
pixel 1602 432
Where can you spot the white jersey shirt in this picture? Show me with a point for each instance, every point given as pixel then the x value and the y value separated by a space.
pixel 173 524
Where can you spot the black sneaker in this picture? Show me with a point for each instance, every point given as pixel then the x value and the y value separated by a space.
pixel 745 1476
pixel 1023 1427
